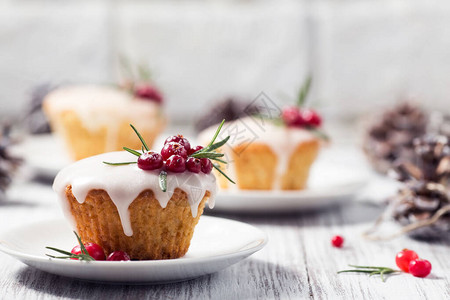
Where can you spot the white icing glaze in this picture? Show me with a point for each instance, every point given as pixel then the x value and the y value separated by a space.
pixel 282 141
pixel 124 183
pixel 97 106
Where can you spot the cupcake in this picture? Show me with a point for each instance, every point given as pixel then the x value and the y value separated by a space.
pixel 147 207
pixel 93 119
pixel 272 152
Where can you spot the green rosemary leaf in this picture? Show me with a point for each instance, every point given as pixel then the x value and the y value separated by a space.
pixel 357 271
pixel 163 181
pixel 134 152
pixel 210 155
pixel 120 164
pixel 217 133
pixel 82 248
pixel 142 149
pixel 60 251
pixel 140 137
pixel 304 91
pixel 219 160
pixel 367 267
pixel 144 73
pixel 221 172
pixel 218 144
pixel 320 134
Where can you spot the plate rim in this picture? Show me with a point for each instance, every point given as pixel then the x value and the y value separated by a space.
pixel 154 263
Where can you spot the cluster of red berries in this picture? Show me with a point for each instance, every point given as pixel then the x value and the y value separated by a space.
pixel 296 117
pixel 148 92
pixel 408 261
pixel 96 252
pixel 175 157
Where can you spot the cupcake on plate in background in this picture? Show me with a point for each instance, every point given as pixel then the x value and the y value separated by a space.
pixel 93 119
pixel 274 149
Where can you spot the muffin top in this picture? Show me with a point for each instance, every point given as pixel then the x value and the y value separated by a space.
pixel 123 184
pixel 99 105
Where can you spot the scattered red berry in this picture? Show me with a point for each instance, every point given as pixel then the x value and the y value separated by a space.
pixel 193 165
pixel 337 241
pixel 292 117
pixel 206 165
pixel 311 118
pixel 173 148
pixel 179 139
pixel 94 250
pixel 148 92
pixel 420 267
pixel 118 256
pixel 195 149
pixel 404 257
pixel 150 161
pixel 176 164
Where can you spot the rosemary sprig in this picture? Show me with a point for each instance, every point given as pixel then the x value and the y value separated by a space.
pixel 371 270
pixel 134 152
pixel 68 255
pixel 304 91
pixel 163 181
pixel 320 134
pixel 140 137
pixel 217 167
pixel 120 163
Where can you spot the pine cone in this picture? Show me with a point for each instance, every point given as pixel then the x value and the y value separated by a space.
pixel 419 201
pixel 426 189
pixel 8 163
pixel 391 135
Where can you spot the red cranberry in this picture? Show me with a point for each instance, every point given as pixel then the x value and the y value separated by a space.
pixel 118 256
pixel 176 164
pixel 420 267
pixel 292 117
pixel 173 148
pixel 311 118
pixel 93 249
pixel 193 165
pixel 150 161
pixel 404 257
pixel 148 92
pixel 337 241
pixel 195 149
pixel 179 139
pixel 206 165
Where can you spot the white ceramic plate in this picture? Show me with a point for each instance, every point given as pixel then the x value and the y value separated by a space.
pixel 217 244
pixel 329 183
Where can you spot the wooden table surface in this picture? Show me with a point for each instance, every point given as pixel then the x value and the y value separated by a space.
pixel 297 263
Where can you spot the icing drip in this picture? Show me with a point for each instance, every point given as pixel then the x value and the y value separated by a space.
pixel 124 183
pixel 282 141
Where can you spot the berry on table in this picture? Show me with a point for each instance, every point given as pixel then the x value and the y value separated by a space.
pixel 420 267
pixel 173 148
pixel 193 165
pixel 179 139
pixel 206 165
pixel 150 161
pixel 337 241
pixel 404 257
pixel 94 250
pixel 176 163
pixel 148 92
pixel 118 256
pixel 311 118
pixel 195 149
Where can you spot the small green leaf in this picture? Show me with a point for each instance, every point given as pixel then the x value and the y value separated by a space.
pixel 140 137
pixel 120 164
pixel 217 133
pixel 134 152
pixel 303 94
pixel 221 172
pixel 163 181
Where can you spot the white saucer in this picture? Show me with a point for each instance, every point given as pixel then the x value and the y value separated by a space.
pixel 329 183
pixel 217 244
